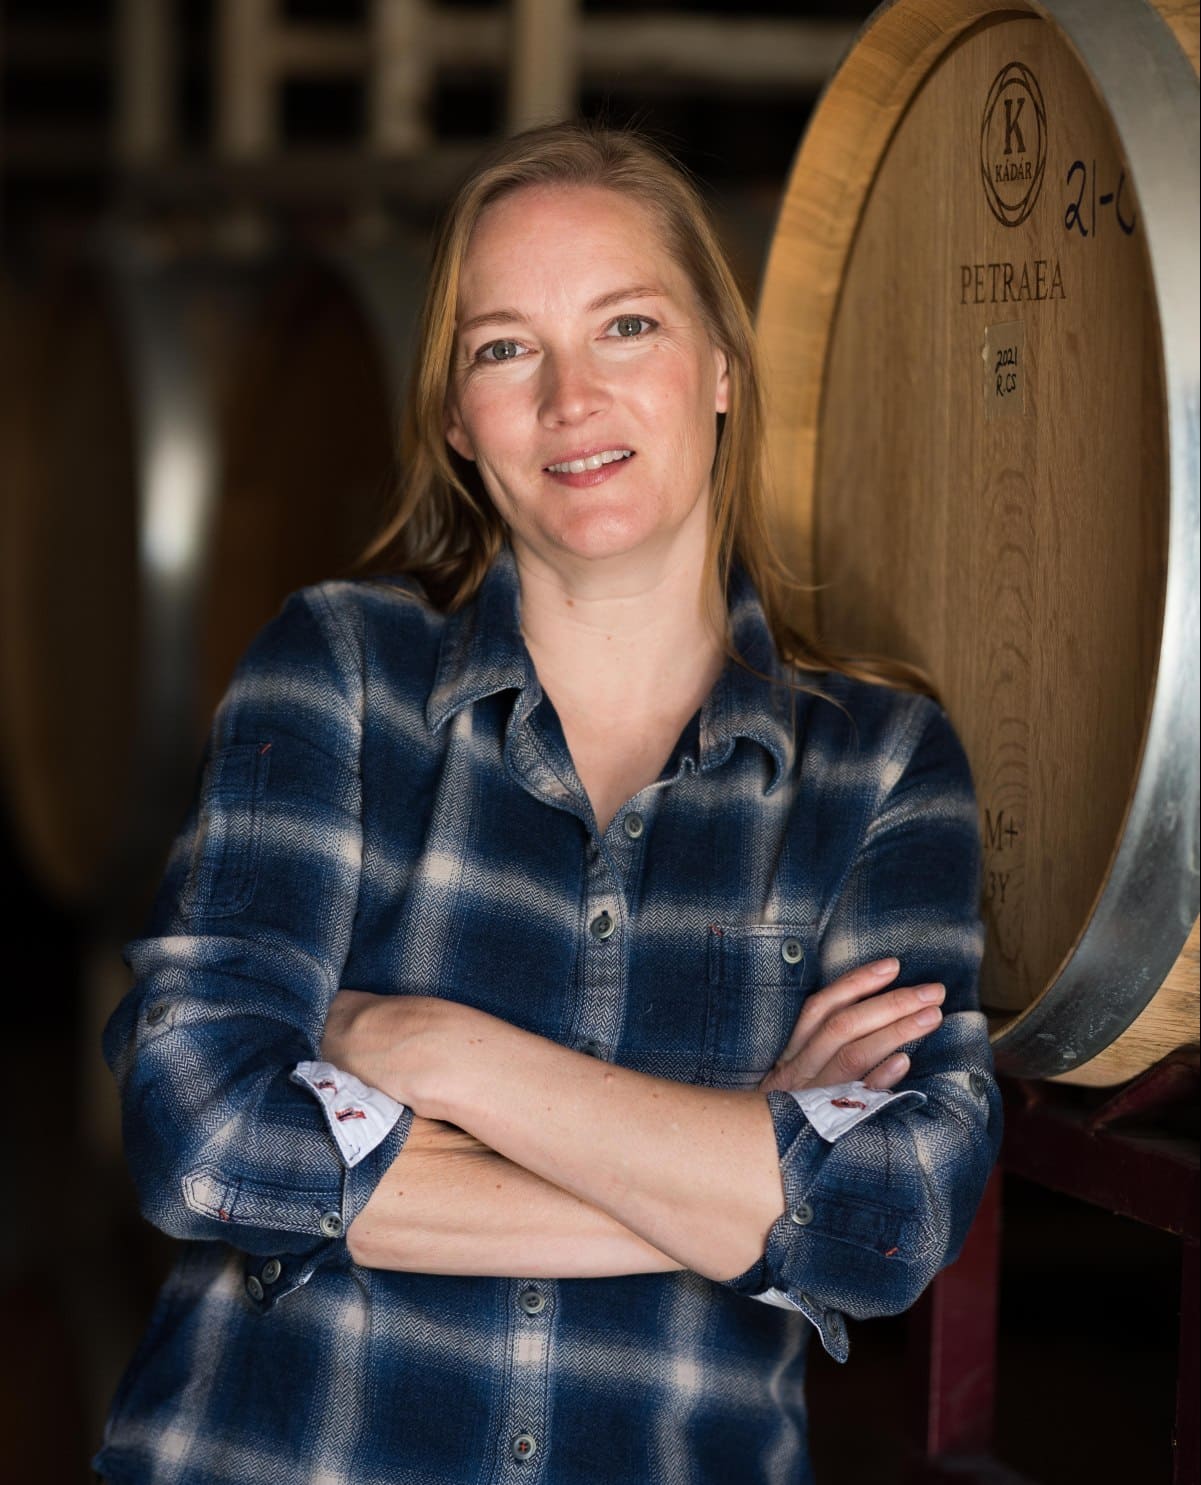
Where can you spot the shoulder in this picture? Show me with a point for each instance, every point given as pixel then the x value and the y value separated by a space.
pixel 871 737
pixel 327 640
pixel 365 613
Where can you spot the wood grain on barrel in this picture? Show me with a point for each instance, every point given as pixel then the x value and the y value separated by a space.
pixel 1018 555
pixel 1007 535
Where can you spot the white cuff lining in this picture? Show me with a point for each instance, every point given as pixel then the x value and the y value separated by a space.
pixel 359 1117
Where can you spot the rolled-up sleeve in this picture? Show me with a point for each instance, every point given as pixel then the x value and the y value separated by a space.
pixel 241 959
pixel 872 1216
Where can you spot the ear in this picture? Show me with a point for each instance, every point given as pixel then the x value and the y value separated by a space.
pixel 456 434
pixel 722 401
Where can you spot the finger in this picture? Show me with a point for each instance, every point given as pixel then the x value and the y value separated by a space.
pixel 889 1073
pixel 853 1023
pixel 855 1059
pixel 787 1075
pixel 866 979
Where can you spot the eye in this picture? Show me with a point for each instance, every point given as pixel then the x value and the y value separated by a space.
pixel 500 350
pixel 630 327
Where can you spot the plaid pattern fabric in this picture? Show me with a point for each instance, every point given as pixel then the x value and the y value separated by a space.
pixel 388 803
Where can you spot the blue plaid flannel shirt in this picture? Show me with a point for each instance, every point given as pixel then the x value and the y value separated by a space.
pixel 388 803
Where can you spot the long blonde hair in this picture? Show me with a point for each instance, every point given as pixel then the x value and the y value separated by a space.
pixel 444 530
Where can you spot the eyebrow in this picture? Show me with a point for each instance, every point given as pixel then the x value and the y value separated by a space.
pixel 605 301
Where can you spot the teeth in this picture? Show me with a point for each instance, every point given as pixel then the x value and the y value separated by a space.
pixel 594 461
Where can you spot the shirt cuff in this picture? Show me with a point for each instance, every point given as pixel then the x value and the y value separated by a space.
pixel 835 1110
pixel 359 1117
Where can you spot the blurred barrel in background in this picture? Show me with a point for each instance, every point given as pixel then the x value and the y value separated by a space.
pixel 112 476
pixel 980 329
pixel 310 438
pixel 186 442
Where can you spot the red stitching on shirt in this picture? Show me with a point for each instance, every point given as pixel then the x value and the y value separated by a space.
pixel 891 1252
pixel 266 748
pixel 326 1083
pixel 223 1214
pixel 847 1103
pixel 341 1114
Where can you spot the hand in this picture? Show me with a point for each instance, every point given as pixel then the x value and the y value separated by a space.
pixel 849 1031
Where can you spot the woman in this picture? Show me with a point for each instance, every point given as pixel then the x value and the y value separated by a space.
pixel 587 849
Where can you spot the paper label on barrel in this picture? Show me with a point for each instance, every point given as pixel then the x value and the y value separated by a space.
pixel 1004 358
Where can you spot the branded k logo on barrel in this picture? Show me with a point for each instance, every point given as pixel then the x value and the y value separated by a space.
pixel 1012 171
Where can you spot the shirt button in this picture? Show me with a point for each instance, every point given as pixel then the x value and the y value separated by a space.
pixel 792 951
pixel 835 1326
pixel 807 1301
pixel 978 1084
pixel 602 926
pixel 524 1446
pixel 254 1288
pixel 802 1214
pixel 156 1012
pixel 331 1225
pixel 591 1049
pixel 532 1302
pixel 271 1270
pixel 633 826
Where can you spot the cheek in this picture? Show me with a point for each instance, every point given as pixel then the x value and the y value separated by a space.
pixel 490 423
pixel 680 393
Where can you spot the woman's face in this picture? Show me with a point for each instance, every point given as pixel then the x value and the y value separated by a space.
pixel 584 386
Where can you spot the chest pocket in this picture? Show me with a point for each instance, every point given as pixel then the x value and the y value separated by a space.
pixel 759 978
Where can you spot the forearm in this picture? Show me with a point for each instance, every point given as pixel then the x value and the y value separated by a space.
pixel 693 1171
pixel 449 1205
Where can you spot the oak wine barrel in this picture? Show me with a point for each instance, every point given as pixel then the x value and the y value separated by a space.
pixel 980 331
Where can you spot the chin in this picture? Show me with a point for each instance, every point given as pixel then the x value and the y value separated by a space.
pixel 596 541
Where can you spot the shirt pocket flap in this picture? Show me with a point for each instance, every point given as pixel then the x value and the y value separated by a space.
pixel 764 972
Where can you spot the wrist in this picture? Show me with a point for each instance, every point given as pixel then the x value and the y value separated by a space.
pixel 432 1046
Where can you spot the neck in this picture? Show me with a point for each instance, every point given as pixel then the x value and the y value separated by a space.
pixel 635 638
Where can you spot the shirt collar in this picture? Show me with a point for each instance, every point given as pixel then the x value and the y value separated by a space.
pixel 482 650
pixel 483 653
pixel 755 699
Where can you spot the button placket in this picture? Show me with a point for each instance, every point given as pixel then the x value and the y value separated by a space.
pixel 599 1008
pixel 526 1387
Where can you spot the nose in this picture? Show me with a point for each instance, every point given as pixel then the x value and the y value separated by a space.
pixel 573 390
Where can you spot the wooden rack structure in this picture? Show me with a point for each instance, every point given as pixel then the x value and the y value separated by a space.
pixel 541 53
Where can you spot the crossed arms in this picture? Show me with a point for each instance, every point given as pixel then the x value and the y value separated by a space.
pixel 527 1157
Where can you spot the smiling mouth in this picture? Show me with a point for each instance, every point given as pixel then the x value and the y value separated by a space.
pixel 591 461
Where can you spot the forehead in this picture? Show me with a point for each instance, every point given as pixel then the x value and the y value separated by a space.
pixel 568 241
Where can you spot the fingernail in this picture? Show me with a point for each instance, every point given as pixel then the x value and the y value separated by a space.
pixel 929 1017
pixel 888 1073
pixel 886 966
pixel 932 992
